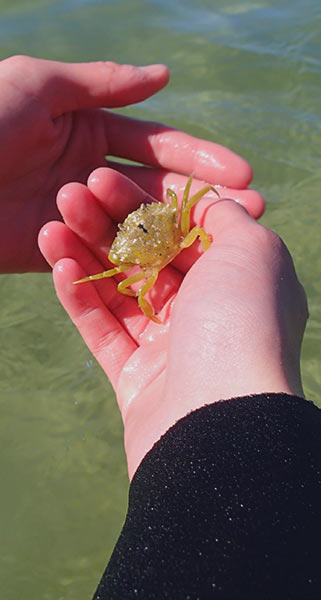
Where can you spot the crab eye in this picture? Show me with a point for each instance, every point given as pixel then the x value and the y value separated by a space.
pixel 141 226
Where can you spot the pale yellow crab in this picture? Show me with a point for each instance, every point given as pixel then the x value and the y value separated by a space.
pixel 151 237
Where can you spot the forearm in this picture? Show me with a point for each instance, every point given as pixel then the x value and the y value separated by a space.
pixel 226 505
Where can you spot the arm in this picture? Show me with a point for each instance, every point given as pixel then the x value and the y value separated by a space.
pixel 226 505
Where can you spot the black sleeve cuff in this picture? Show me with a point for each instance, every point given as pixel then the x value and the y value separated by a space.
pixel 226 505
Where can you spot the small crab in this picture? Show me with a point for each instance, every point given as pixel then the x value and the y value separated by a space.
pixel 151 237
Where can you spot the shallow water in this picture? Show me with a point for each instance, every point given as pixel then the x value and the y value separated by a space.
pixel 246 74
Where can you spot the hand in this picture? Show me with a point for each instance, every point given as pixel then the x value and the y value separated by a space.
pixel 236 320
pixel 52 132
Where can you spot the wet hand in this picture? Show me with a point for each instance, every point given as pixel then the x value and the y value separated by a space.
pixel 53 131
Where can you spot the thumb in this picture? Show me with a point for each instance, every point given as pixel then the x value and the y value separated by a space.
pixel 65 87
pixel 226 219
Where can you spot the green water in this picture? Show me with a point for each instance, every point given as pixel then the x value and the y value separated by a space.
pixel 246 74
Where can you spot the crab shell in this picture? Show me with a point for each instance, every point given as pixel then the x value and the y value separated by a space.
pixel 149 236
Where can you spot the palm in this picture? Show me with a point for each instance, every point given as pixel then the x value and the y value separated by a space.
pixel 49 158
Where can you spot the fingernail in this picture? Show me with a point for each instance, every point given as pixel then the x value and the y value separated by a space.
pixel 157 68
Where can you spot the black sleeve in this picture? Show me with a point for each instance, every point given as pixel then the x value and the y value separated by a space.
pixel 226 505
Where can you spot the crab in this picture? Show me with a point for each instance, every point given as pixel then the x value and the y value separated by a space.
pixel 151 237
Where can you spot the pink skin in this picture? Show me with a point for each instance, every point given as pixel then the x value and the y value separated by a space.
pixel 234 320
pixel 54 131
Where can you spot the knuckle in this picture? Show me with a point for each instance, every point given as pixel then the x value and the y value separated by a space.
pixel 269 239
pixel 108 68
pixel 19 62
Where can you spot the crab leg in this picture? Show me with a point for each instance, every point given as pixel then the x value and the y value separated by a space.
pixel 123 285
pixel 187 204
pixel 174 202
pixel 193 234
pixel 144 305
pixel 104 274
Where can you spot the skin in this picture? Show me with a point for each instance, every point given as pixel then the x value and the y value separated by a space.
pixel 234 319
pixel 53 131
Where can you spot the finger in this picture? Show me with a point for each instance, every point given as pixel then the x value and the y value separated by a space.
pixel 106 84
pixel 102 332
pixel 117 194
pixel 156 182
pixel 157 145
pixel 71 86
pixel 57 241
pixel 227 217
pixel 85 216
pixel 120 195
pixel 225 221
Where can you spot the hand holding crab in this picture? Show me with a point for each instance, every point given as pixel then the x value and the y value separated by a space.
pixel 151 237
pixel 148 229
pixel 225 312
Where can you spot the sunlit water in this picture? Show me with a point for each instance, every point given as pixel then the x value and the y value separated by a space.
pixel 246 74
